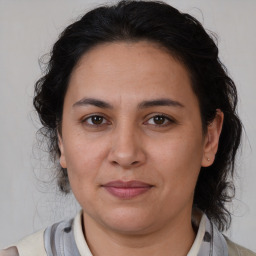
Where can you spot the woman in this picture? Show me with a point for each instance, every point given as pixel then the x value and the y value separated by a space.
pixel 141 116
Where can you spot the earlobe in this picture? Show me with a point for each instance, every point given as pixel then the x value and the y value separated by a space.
pixel 212 139
pixel 62 154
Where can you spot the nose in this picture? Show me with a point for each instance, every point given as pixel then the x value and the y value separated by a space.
pixel 127 148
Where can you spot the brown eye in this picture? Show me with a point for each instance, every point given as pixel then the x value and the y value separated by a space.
pixel 160 120
pixel 96 120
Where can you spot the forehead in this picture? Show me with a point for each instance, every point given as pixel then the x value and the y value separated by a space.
pixel 130 70
pixel 129 56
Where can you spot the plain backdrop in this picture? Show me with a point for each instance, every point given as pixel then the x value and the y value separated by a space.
pixel 29 199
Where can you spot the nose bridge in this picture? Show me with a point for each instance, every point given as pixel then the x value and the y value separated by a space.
pixel 126 148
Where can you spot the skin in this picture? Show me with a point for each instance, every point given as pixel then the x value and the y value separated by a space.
pixel 129 141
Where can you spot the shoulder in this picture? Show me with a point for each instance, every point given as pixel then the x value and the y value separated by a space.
pixel 57 237
pixel 11 251
pixel 237 250
pixel 32 243
pixel 27 246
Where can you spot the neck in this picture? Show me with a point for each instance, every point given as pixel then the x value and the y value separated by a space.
pixel 176 238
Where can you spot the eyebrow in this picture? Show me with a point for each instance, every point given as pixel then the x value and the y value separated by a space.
pixel 144 104
pixel 94 102
pixel 160 102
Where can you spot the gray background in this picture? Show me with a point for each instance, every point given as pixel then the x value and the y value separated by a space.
pixel 28 197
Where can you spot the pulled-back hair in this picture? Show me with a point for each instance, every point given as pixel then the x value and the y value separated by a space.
pixel 186 40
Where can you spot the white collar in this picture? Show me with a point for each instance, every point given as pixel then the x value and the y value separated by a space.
pixel 198 218
pixel 79 236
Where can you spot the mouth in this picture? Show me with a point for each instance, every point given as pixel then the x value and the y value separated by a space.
pixel 127 189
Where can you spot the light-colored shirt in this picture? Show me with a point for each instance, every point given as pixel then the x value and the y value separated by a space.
pixel 67 238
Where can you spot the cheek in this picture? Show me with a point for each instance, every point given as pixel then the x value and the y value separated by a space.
pixel 84 158
pixel 84 164
pixel 179 162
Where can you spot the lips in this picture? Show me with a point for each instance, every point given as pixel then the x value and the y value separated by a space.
pixel 127 190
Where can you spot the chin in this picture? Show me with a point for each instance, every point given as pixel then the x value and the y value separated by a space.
pixel 128 221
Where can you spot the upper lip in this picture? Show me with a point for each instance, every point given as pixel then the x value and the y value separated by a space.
pixel 127 184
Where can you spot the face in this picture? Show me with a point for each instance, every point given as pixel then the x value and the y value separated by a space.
pixel 132 138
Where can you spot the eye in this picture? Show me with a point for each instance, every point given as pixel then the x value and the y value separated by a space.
pixel 160 120
pixel 95 120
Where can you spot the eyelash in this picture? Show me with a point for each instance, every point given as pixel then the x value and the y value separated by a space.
pixel 167 120
pixel 85 121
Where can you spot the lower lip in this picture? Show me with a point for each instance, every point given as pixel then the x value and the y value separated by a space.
pixel 127 193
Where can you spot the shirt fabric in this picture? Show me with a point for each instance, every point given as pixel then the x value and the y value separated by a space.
pixel 66 238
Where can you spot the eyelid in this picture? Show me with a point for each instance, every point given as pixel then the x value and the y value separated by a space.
pixel 85 118
pixel 170 119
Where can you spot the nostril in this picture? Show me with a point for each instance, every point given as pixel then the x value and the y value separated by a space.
pixel 115 163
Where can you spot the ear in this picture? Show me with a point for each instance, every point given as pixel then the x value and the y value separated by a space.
pixel 211 141
pixel 62 154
